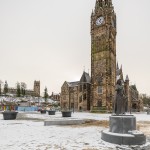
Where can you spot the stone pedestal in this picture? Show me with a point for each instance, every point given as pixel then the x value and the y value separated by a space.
pixel 122 130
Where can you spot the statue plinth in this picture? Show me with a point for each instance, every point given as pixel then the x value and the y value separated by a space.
pixel 122 130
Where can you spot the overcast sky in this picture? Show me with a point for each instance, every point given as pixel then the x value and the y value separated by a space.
pixel 49 40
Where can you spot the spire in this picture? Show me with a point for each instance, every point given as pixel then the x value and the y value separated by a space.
pixel 106 2
pixel 85 78
pixel 83 68
pixel 103 3
pixel 96 4
pixel 127 78
pixel 117 66
pixel 121 68
pixel 121 73
pixel 92 12
pixel 109 3
pixel 99 3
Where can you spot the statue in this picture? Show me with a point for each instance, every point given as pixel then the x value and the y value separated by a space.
pixel 120 100
pixel 122 128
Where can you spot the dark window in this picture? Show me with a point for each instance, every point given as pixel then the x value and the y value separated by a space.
pixel 80 88
pixel 99 103
pixel 72 105
pixel 100 90
pixel 80 99
pixel 84 97
pixel 80 108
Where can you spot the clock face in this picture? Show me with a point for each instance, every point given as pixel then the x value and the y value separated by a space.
pixel 99 21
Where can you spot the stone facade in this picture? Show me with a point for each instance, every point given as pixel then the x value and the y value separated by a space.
pixel 103 54
pixel 99 92
pixel 36 88
pixel 69 95
pixel 84 92
pixel 76 95
pixel 133 102
pixel 55 96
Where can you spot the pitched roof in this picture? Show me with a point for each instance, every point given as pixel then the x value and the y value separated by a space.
pixel 133 87
pixel 85 78
pixel 72 84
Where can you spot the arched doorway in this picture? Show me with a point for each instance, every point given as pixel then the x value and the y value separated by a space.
pixel 99 103
pixel 80 108
pixel 134 107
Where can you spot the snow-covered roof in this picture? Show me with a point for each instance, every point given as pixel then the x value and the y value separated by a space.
pixel 25 99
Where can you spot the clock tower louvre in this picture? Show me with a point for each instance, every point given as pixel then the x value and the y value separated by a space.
pixel 103 54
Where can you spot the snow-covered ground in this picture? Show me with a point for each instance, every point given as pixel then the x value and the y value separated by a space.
pixel 29 133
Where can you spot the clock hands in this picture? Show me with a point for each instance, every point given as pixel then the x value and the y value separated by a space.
pixel 99 21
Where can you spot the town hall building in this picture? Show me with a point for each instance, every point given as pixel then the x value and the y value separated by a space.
pixel 98 91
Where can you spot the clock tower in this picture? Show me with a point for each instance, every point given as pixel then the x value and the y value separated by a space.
pixel 103 54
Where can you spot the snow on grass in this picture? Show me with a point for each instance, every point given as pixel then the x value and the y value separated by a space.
pixel 25 135
pixel 33 135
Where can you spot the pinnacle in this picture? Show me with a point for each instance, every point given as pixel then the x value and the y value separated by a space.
pixel 127 78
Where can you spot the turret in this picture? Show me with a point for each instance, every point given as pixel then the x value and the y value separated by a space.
pixel 110 3
pixel 100 3
pixel 103 3
pixel 121 73
pixel 127 78
pixel 92 13
pixel 126 86
pixel 117 66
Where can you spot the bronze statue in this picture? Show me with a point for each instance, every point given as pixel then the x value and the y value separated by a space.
pixel 120 100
